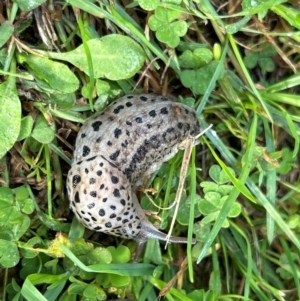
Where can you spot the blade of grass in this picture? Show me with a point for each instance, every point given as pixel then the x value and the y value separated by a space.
pixel 235 192
pixel 270 181
pixel 213 80
pixel 128 269
pixel 247 75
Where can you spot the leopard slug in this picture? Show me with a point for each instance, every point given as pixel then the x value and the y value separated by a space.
pixel 113 154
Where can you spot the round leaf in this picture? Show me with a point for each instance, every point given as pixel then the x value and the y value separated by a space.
pixel 120 281
pixel 235 210
pixel 9 254
pixel 10 117
pixel 180 28
pixel 120 255
pixel 148 4
pixel 28 206
pixel 98 255
pixel 43 132
pixel 26 127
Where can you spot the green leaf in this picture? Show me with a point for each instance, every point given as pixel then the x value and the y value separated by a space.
pixel 81 247
pixel 267 64
pixel 166 31
pixel 26 127
pixel 10 117
pixel 56 75
pixel 9 254
pixel 43 132
pixel 251 60
pixel 27 206
pixel 166 35
pixel 201 231
pixel 184 210
pixel 199 80
pixel 21 193
pixel 121 254
pixel 63 101
pixel 6 197
pixel 235 210
pixel 6 31
pixel 148 4
pixel 180 28
pixel 125 269
pixel 30 292
pixel 119 281
pixel 99 255
pixel 210 203
pixel 94 291
pixel 166 15
pixel 195 59
pixel 107 62
pixel 26 249
pixel 26 5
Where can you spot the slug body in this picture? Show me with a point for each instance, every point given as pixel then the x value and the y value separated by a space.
pixel 113 154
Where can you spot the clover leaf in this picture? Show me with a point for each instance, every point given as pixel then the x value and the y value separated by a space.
pixel 167 31
pixel 195 59
pixel 261 58
pixel 199 79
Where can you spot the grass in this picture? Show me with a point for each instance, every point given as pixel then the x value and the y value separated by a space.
pixel 236 64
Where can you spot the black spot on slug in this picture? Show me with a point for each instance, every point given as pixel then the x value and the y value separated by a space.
pixel 164 111
pixel 76 179
pixel 108 225
pixel 152 113
pixel 117 132
pixel 93 194
pixel 76 197
pixel 118 109
pixel 102 212
pixel 91 159
pixel 85 151
pixel 138 120
pixel 115 155
pixel 96 125
pixel 114 179
pixel 143 98
pixel 91 205
pixel 116 193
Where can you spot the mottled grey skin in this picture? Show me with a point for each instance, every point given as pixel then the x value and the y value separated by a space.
pixel 113 154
